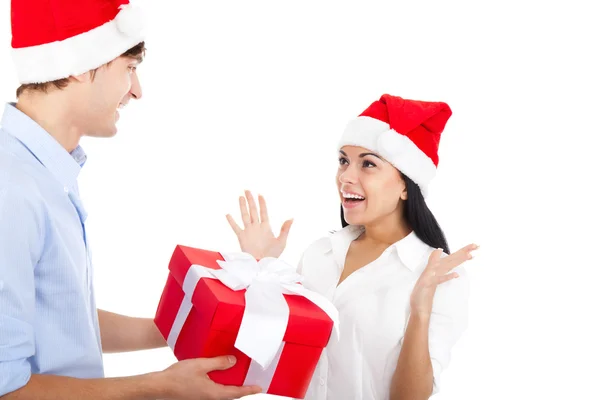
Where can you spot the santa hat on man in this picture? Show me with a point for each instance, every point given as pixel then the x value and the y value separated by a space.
pixel 55 39
pixel 404 132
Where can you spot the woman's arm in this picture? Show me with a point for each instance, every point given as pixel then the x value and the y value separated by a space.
pixel 413 378
pixel 432 329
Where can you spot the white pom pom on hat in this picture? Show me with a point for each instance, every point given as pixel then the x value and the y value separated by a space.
pixel 130 20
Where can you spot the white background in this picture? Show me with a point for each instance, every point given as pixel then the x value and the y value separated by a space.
pixel 254 95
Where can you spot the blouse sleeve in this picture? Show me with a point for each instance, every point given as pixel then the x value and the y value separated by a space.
pixel 299 267
pixel 448 322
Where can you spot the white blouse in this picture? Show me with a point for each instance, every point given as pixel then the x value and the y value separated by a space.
pixel 374 306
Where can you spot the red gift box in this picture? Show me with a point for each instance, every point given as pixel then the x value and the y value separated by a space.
pixel 211 319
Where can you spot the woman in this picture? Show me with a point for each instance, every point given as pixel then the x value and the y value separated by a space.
pixel 401 305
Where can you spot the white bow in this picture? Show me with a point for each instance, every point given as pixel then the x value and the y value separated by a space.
pixel 266 314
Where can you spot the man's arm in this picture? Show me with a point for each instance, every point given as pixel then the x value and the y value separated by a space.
pixel 51 387
pixel 21 241
pixel 121 333
pixel 185 380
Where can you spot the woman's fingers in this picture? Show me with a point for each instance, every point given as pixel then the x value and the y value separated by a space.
pixel 264 215
pixel 446 278
pixel 244 211
pixel 285 231
pixel 233 225
pixel 252 206
pixel 440 264
pixel 458 257
pixel 435 256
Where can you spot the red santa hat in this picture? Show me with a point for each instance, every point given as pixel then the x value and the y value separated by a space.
pixel 404 132
pixel 55 39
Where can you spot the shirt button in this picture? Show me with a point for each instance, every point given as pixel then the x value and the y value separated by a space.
pixel 66 189
pixel 322 381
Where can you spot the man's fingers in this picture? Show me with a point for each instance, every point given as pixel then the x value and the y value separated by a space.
pixel 252 206
pixel 233 224
pixel 216 363
pixel 235 392
pixel 264 215
pixel 244 211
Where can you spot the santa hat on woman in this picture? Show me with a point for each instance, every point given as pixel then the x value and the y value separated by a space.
pixel 404 132
pixel 55 39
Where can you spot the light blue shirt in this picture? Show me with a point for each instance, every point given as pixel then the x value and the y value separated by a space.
pixel 48 316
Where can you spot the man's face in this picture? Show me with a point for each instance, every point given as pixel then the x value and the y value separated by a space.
pixel 110 89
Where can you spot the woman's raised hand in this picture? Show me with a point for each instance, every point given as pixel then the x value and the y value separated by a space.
pixel 437 271
pixel 256 238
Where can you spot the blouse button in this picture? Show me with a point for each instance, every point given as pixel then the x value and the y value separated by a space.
pixel 322 381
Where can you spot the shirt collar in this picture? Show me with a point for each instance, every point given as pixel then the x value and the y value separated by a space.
pixel 63 165
pixel 410 249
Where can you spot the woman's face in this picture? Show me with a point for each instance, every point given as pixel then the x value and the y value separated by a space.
pixel 371 189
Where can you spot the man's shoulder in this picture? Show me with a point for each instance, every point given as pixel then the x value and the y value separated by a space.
pixel 18 179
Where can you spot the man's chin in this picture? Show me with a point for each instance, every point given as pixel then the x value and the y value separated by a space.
pixel 103 133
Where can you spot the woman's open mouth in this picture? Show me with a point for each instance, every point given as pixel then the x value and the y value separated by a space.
pixel 351 200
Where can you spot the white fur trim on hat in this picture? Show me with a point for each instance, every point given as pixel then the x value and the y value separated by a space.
pixel 394 147
pixel 81 53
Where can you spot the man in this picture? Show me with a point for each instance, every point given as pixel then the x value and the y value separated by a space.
pixel 76 62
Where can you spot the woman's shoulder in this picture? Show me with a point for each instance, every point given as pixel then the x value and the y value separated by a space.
pixel 326 242
pixel 319 255
pixel 320 245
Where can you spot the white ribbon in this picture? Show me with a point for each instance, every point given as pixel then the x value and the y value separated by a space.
pixel 265 317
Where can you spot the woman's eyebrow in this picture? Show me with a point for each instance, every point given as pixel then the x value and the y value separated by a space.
pixel 369 154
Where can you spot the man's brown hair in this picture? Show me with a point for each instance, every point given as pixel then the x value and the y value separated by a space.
pixel 138 51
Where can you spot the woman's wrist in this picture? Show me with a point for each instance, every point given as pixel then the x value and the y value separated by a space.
pixel 421 315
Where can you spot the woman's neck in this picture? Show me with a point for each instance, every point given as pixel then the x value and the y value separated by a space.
pixel 386 232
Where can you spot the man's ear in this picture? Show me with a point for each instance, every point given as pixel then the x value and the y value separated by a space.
pixel 81 78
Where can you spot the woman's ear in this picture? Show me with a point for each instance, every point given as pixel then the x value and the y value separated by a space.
pixel 404 194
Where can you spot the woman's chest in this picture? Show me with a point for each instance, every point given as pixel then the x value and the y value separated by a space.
pixel 373 301
pixel 376 315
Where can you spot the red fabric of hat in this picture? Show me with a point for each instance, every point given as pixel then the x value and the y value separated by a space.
pixel 405 132
pixel 54 39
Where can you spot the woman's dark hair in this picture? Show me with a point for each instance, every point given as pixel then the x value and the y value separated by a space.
pixel 419 217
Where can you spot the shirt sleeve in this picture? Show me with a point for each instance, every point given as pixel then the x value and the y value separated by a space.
pixel 319 246
pixel 20 248
pixel 300 265
pixel 448 322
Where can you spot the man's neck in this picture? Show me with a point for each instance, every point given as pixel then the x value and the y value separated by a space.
pixel 54 114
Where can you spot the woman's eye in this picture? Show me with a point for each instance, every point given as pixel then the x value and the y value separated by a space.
pixel 368 164
pixel 343 161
